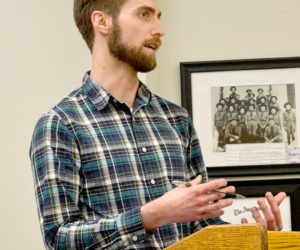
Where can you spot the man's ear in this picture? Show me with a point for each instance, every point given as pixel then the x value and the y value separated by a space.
pixel 102 22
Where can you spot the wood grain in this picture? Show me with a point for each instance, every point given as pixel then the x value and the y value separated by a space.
pixel 284 240
pixel 241 236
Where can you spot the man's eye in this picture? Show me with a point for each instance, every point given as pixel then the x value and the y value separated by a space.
pixel 144 14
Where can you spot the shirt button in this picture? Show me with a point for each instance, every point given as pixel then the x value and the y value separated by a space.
pixel 134 238
pixel 152 182
pixel 144 149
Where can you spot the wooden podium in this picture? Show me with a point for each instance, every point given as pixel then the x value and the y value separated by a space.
pixel 239 237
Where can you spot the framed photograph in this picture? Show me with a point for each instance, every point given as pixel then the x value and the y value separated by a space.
pixel 289 208
pixel 245 113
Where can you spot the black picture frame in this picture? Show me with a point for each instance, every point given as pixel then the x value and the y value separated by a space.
pixel 258 188
pixel 186 71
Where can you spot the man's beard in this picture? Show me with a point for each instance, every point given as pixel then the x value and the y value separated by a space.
pixel 134 57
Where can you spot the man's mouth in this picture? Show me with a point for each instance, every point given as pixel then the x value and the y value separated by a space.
pixel 154 45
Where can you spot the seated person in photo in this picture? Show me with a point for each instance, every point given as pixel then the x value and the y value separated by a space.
pixel 233 132
pixel 272 132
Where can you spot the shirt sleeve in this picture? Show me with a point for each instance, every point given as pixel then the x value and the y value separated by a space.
pixel 196 166
pixel 56 170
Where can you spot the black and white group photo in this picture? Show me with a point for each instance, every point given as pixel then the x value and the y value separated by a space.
pixel 253 114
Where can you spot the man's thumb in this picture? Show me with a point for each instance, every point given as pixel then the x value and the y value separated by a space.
pixel 197 180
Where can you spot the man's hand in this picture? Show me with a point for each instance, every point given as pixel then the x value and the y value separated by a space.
pixel 183 204
pixel 272 217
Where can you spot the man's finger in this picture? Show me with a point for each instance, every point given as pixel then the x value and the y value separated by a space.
pixel 275 210
pixel 215 206
pixel 212 214
pixel 244 220
pixel 269 217
pixel 257 217
pixel 197 180
pixel 280 197
pixel 215 184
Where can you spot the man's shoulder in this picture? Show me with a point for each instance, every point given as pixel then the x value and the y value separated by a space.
pixel 64 109
pixel 168 107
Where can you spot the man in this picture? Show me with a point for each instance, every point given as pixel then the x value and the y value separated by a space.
pixel 242 121
pixel 275 113
pixel 233 132
pixel 104 158
pixel 251 121
pixel 263 119
pixel 272 132
pixel 260 94
pixel 289 122
pixel 231 113
pixel 247 96
pixel 220 123
pixel 233 92
pixel 274 104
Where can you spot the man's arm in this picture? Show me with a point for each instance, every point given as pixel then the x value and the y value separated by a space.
pixel 186 204
pixel 56 166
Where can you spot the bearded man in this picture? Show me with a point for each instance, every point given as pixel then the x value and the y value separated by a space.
pixel 104 158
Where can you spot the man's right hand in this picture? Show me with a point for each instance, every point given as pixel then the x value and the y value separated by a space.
pixel 184 204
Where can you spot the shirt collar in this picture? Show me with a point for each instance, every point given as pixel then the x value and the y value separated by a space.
pixel 100 97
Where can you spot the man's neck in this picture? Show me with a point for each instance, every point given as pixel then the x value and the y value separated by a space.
pixel 117 77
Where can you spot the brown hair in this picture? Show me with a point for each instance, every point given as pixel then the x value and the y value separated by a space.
pixel 83 10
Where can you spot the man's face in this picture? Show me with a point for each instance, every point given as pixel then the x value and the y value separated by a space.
pixel 263 108
pixel 288 107
pixel 220 108
pixel 135 35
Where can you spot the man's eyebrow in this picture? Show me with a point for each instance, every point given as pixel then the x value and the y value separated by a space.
pixel 150 9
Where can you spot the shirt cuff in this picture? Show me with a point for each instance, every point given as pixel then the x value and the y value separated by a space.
pixel 131 227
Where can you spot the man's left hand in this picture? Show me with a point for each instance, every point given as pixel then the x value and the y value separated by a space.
pixel 272 217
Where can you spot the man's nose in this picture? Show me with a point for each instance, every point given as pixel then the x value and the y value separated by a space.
pixel 158 30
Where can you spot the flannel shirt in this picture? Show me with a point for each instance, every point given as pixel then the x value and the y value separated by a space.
pixel 95 163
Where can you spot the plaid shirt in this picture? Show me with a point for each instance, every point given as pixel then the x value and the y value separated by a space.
pixel 95 163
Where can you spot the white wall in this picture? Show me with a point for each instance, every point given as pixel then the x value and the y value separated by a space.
pixel 201 30
pixel 42 58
